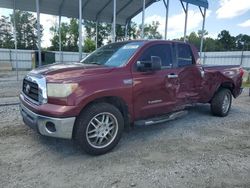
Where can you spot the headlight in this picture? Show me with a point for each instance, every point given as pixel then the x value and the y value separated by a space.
pixel 60 90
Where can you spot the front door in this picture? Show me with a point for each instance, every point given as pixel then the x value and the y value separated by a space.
pixel 154 93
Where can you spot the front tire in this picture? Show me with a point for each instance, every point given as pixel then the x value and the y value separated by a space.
pixel 99 128
pixel 221 103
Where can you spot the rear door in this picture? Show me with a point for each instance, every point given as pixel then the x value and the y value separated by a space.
pixel 153 92
pixel 190 75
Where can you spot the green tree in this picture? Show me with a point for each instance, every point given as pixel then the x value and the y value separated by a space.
pixel 73 35
pixel 6 35
pixel 132 31
pixel 242 42
pixel 211 44
pixel 224 41
pixel 69 36
pixel 26 30
pixel 151 30
pixel 120 33
pixel 227 41
pixel 89 45
pixel 104 31
pixel 194 39
pixel 55 39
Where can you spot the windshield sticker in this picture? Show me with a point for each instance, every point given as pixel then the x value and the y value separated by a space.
pixel 130 46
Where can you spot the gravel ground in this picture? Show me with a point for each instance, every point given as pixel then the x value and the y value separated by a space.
pixel 197 150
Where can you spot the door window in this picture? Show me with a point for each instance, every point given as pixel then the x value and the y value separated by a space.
pixel 184 55
pixel 164 51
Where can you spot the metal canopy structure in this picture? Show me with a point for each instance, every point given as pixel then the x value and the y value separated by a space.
pixel 93 10
pixel 200 3
pixel 109 11
pixel 203 6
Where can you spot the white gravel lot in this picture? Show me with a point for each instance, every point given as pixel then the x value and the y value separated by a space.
pixel 198 150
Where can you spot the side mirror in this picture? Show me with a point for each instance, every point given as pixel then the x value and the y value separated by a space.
pixel 156 63
pixel 153 65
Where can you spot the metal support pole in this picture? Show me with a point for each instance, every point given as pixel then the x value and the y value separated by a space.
pixel 114 21
pixel 241 58
pixel 186 18
pixel 60 40
pixel 14 32
pixel 96 34
pixel 38 32
pixel 166 22
pixel 204 59
pixel 143 19
pixel 80 30
pixel 126 30
pixel 203 30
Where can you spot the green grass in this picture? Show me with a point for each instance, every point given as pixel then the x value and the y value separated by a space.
pixel 246 85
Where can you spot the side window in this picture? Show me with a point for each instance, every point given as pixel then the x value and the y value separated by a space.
pixel 184 55
pixel 161 50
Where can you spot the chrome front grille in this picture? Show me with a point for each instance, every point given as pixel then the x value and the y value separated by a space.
pixel 34 88
pixel 31 90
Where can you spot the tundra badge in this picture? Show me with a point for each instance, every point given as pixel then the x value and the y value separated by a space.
pixel 128 81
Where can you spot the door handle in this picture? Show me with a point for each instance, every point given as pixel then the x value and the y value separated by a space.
pixel 202 73
pixel 172 75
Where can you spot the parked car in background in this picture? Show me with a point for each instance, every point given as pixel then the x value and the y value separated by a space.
pixel 123 84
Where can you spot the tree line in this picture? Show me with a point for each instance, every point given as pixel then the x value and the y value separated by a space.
pixel 69 34
pixel 223 42
pixel 27 38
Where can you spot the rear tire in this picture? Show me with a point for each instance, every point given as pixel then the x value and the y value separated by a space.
pixel 99 128
pixel 221 103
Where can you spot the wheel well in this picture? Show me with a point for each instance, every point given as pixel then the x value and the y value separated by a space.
pixel 227 85
pixel 118 103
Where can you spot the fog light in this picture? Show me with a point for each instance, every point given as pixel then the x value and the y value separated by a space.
pixel 50 126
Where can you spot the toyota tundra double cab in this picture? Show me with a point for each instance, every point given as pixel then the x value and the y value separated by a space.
pixel 120 85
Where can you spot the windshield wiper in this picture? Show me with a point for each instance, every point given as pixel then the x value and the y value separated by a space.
pixel 93 63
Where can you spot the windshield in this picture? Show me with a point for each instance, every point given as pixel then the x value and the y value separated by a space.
pixel 115 55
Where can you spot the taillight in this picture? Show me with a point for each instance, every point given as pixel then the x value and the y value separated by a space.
pixel 241 72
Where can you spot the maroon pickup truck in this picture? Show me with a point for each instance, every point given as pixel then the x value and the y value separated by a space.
pixel 123 84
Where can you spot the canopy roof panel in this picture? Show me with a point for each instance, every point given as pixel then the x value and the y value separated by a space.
pixel 201 3
pixel 101 10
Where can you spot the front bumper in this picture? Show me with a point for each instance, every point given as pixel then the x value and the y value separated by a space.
pixel 48 126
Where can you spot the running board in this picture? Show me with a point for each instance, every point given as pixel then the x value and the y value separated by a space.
pixel 162 119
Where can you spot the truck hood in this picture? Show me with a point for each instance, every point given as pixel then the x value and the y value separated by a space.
pixel 64 72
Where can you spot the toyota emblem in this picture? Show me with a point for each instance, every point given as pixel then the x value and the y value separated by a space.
pixel 27 88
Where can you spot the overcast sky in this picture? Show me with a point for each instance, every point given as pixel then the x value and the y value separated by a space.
pixel 232 15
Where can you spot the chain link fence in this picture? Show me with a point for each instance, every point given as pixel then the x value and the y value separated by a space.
pixel 27 59
pixel 241 58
